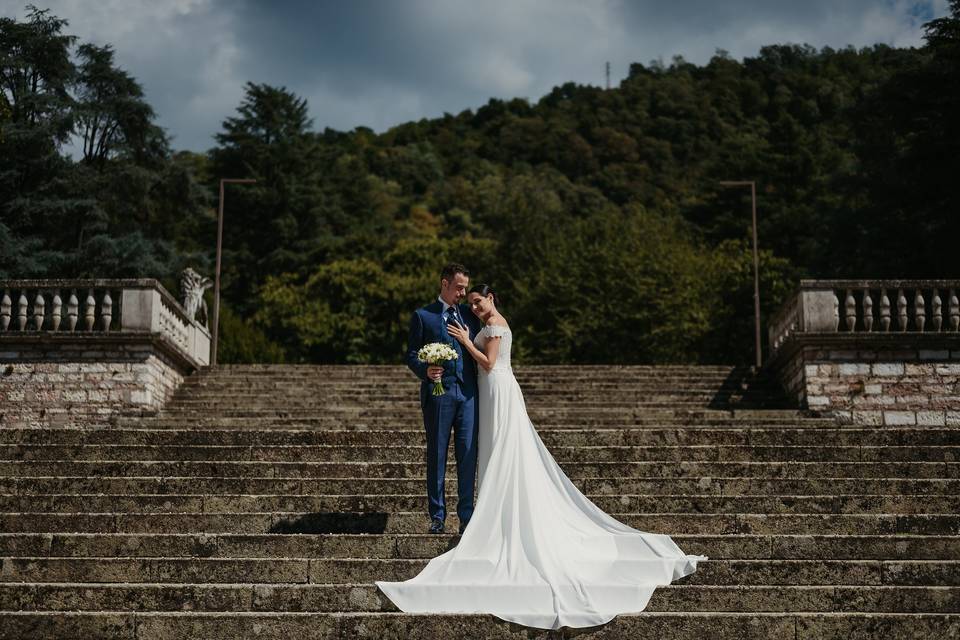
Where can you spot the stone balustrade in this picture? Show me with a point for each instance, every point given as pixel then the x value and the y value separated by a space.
pixel 872 351
pixel 77 352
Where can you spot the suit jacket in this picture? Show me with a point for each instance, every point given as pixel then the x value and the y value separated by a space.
pixel 426 326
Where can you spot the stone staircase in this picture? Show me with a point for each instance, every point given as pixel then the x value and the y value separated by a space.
pixel 264 501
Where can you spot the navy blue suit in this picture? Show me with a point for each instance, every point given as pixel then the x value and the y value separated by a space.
pixel 456 409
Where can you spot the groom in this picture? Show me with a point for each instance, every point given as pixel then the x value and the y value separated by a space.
pixel 457 408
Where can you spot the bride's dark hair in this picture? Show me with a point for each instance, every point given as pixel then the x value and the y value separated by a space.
pixel 485 290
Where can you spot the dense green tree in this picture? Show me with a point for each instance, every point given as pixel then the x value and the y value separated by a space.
pixel 596 214
pixel 105 214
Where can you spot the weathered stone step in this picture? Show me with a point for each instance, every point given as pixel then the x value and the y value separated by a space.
pixel 408 453
pixel 426 546
pixel 650 436
pixel 412 421
pixel 597 371
pixel 538 388
pixel 610 470
pixel 392 503
pixel 332 486
pixel 341 570
pixel 272 367
pixel 409 402
pixel 416 522
pixel 531 392
pixel 409 382
pixel 410 418
pixel 376 384
pixel 337 626
pixel 367 597
pixel 407 378
pixel 550 372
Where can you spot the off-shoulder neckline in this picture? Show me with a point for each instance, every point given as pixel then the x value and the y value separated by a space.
pixel 498 326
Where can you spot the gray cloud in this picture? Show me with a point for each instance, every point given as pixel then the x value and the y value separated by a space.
pixel 378 63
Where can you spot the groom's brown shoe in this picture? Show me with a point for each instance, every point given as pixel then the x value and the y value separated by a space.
pixel 436 526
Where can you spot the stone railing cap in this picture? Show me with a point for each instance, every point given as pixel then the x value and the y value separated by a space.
pixel 875 283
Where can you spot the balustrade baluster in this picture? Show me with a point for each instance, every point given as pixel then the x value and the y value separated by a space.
pixel 55 310
pixel 5 307
pixel 937 310
pixel 884 310
pixel 867 310
pixel 22 312
pixel 38 308
pixel 902 309
pixel 919 310
pixel 850 308
pixel 106 310
pixel 954 311
pixel 89 312
pixel 836 313
pixel 73 306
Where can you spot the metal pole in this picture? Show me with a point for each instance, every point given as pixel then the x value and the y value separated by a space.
pixel 756 275
pixel 216 281
pixel 756 265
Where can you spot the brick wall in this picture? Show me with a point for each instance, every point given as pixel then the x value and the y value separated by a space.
pixel 74 383
pixel 876 386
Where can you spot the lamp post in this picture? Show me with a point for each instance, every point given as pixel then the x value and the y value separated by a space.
pixel 756 262
pixel 216 285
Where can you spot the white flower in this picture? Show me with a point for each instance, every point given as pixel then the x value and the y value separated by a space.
pixel 436 353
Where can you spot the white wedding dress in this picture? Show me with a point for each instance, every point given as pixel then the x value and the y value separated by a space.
pixel 536 551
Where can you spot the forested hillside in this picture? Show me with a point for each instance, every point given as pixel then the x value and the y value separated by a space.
pixel 596 214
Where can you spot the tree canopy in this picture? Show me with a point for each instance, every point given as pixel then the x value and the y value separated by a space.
pixel 597 215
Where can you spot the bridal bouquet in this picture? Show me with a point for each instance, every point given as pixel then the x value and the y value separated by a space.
pixel 436 353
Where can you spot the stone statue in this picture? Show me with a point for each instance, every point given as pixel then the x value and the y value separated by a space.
pixel 192 286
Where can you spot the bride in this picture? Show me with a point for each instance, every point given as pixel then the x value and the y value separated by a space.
pixel 537 551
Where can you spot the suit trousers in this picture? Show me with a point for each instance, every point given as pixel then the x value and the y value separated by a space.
pixel 453 411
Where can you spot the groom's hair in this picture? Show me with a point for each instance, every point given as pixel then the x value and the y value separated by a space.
pixel 453 269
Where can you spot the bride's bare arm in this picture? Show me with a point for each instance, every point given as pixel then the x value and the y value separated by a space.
pixel 485 359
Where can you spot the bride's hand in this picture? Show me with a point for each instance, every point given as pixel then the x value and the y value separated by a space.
pixel 458 333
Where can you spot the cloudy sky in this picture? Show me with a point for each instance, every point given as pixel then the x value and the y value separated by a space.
pixel 378 63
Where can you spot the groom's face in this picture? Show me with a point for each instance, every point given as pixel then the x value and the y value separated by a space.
pixel 453 291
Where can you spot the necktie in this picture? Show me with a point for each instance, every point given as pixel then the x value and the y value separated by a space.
pixel 458 363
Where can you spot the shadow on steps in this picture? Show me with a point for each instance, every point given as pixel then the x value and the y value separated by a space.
pixel 333 523
pixel 744 388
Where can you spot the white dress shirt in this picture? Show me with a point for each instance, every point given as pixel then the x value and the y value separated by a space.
pixel 447 306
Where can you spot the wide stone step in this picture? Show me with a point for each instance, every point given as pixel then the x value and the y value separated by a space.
pixel 391 503
pixel 417 522
pixel 367 597
pixel 533 393
pixel 600 469
pixel 340 570
pixel 524 377
pixel 649 436
pixel 414 453
pixel 553 372
pixel 426 546
pixel 603 486
pixel 337 626
pixel 413 421
pixel 546 386
pixel 410 402
pixel 581 384
pixel 390 417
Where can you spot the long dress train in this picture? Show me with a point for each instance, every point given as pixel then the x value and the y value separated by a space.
pixel 536 551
